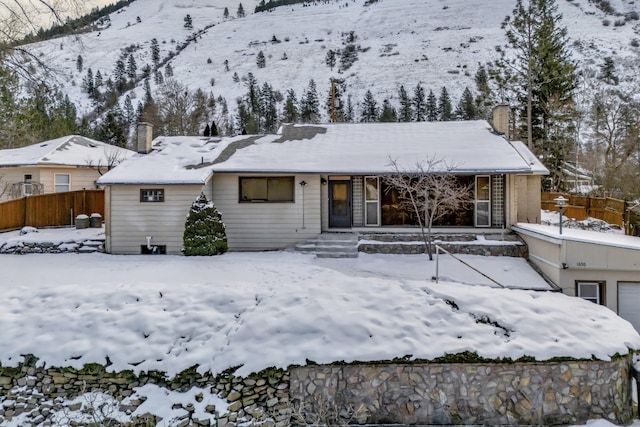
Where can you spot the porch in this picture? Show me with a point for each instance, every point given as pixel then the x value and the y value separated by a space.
pixel 348 244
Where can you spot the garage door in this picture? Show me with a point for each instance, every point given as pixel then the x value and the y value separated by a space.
pixel 629 302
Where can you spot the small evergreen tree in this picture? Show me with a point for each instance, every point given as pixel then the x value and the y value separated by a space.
pixel 330 60
pixel 79 63
pixel 310 105
pixel 98 82
pixel 207 130
pixel 214 129
pixel 369 108
pixel 388 113
pixel 406 111
pixel 132 67
pixel 204 231
pixel 466 109
pixel 432 107
pixel 608 71
pixel 88 83
pixel 225 13
pixel 419 104
pixel 155 53
pixel 444 106
pixel 290 111
pixel 188 22
pixel 241 12
pixel 261 62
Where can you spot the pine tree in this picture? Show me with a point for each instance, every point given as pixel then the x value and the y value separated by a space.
pixel 406 110
pixel 204 231
pixel 330 59
pixel 98 81
pixel 536 71
pixel 444 105
pixel 261 62
pixel 226 13
pixel 419 104
pixel 369 108
pixel 79 63
pixel 207 130
pixel 168 70
pixel 88 84
pixel 431 110
pixel 214 128
pixel 608 71
pixel 128 113
pixel 241 12
pixel 290 111
pixel 132 67
pixel 188 22
pixel 310 105
pixel 155 53
pixel 268 110
pixel 388 113
pixel 466 108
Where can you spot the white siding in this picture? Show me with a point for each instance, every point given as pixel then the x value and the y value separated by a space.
pixel 264 226
pixel 131 221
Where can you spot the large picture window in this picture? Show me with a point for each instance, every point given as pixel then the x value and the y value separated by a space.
pixel 266 189
pixel 62 182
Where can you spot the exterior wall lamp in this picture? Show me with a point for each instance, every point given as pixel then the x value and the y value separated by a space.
pixel 561 202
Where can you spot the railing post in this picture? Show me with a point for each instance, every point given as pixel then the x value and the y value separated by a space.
pixel 437 263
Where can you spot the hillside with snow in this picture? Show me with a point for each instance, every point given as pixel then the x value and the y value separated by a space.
pixel 399 42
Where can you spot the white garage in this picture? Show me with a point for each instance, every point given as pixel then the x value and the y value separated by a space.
pixel 629 302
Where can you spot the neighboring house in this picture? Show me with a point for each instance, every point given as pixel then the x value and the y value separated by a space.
pixel 276 190
pixel 64 164
pixel 601 267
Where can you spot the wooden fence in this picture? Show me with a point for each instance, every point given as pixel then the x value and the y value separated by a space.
pixel 607 209
pixel 50 210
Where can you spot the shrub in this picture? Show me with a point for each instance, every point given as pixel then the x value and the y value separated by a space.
pixel 204 231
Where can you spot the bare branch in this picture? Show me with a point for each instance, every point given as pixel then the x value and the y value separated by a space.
pixel 430 191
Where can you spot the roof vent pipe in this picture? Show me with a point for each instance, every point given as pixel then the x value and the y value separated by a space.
pixel 144 137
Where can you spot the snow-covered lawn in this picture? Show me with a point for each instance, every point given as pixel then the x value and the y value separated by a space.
pixel 280 308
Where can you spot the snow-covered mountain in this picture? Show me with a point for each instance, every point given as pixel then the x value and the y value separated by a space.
pixel 399 42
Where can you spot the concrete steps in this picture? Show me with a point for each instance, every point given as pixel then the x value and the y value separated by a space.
pixel 331 245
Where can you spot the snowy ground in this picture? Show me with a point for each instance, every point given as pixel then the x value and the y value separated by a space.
pixel 169 312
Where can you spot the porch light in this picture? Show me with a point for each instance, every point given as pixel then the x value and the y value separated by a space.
pixel 561 202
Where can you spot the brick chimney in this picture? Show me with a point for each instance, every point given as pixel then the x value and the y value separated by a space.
pixel 501 115
pixel 145 137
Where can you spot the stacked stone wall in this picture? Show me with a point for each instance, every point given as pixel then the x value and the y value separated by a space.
pixel 410 244
pixel 485 394
pixel 413 393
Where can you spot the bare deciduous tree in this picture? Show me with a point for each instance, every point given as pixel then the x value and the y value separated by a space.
pixel 112 158
pixel 430 190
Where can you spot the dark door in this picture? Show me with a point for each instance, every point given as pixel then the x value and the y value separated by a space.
pixel 340 204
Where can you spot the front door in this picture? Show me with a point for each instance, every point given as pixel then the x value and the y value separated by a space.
pixel 339 204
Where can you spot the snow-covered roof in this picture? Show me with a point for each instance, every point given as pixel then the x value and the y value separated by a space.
pixel 173 160
pixel 469 147
pixel 71 150
pixel 583 236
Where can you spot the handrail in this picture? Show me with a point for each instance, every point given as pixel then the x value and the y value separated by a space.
pixel 440 248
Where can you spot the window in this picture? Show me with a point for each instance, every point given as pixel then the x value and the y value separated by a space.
pixel 591 291
pixel 155 195
pixel 62 182
pixel 27 188
pixel 266 189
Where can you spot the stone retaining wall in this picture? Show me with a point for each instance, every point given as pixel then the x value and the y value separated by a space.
pixel 508 244
pixel 412 393
pixel 489 394
pixel 22 248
